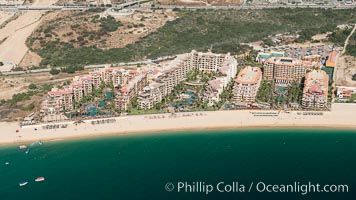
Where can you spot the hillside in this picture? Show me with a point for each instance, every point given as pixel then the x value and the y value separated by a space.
pixel 222 31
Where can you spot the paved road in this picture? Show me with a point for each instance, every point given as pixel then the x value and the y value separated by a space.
pixel 130 4
pixel 65 7
pixel 244 7
pixel 144 62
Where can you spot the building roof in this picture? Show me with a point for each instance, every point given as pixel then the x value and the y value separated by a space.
pixel 330 62
pixel 283 61
pixel 249 75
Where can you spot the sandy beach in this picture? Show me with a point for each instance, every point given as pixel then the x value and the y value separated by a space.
pixel 341 117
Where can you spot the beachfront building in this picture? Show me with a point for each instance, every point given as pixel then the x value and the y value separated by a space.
pixel 176 71
pixel 346 94
pixel 227 71
pixel 149 96
pixel 58 100
pixel 246 84
pixel 214 89
pixel 315 92
pixel 128 91
pixel 283 71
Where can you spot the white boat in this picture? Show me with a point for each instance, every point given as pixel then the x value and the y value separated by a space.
pixel 23 183
pixel 22 147
pixel 39 179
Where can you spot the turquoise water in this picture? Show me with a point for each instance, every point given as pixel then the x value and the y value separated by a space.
pixel 138 167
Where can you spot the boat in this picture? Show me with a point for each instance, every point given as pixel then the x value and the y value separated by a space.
pixel 7 163
pixel 23 183
pixel 22 147
pixel 40 142
pixel 39 179
pixel 27 151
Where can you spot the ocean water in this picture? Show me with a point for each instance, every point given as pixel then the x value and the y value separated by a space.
pixel 140 166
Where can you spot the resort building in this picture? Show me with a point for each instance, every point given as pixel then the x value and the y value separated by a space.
pixel 107 75
pixel 129 91
pixel 150 96
pixel 346 94
pixel 208 61
pixel 214 89
pixel 58 100
pixel 246 84
pixel 119 77
pixel 315 92
pixel 176 71
pixel 77 89
pixel 283 71
pixel 87 85
pixel 96 78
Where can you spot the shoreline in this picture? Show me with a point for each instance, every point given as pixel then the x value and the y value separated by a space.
pixel 176 131
pixel 341 117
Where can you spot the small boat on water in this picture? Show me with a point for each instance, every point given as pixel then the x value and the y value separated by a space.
pixel 22 147
pixel 7 163
pixel 27 151
pixel 23 183
pixel 40 142
pixel 39 179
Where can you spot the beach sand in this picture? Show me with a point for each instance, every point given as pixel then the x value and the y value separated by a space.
pixel 342 116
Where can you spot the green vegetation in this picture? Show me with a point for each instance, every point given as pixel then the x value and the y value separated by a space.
pixel 109 24
pixel 351 47
pixel 265 91
pixel 71 69
pixel 339 36
pixel 295 91
pixel 354 77
pixel 32 86
pixel 353 97
pixel 221 30
pixel 1 63
pixel 54 71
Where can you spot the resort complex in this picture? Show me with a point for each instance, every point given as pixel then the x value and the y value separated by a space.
pixel 247 84
pixel 117 89
pixel 315 92
pixel 282 70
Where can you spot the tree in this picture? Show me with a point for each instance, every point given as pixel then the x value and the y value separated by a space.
pixel 54 71
pixel 32 86
pixel 354 77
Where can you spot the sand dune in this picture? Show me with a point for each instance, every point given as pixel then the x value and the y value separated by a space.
pixel 13 49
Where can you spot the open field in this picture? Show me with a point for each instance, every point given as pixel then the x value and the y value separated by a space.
pixel 14 34
pixel 5 16
pixel 221 30
pixel 85 29
pixel 346 67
